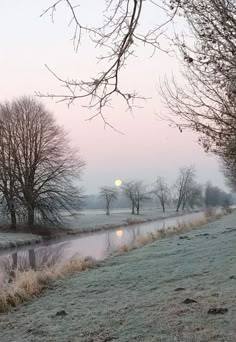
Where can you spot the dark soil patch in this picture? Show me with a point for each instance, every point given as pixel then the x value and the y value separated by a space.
pixel 217 311
pixel 189 301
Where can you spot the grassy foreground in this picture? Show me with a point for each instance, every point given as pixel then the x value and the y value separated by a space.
pixel 144 295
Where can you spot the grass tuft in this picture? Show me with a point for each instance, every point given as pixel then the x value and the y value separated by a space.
pixel 29 284
pixel 123 249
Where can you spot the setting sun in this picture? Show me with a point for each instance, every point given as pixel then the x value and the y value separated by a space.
pixel 118 182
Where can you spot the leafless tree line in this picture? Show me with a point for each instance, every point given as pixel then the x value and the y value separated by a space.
pixel 135 191
pixel 184 193
pixel 37 165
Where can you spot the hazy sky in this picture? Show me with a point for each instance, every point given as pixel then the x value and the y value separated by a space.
pixel 148 148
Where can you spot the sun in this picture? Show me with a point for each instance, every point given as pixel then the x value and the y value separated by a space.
pixel 118 182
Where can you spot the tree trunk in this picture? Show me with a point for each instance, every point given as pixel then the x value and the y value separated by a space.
pixel 13 218
pixel 133 208
pixel 11 208
pixel 108 209
pixel 30 221
pixel 178 204
pixel 162 204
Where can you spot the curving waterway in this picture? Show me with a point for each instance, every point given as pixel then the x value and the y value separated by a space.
pixel 98 245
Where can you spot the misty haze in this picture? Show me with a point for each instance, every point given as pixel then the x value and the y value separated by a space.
pixel 118 171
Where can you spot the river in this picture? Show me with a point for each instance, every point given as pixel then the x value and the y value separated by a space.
pixel 97 245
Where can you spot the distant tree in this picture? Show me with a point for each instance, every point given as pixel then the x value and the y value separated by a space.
pixel 41 166
pixel 140 194
pixel 183 186
pixel 109 195
pixel 137 193
pixel 215 197
pixel 162 192
pixel 128 189
pixel 195 196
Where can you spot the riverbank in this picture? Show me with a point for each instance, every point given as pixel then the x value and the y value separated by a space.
pixel 13 240
pixel 180 288
pixel 86 223
pixel 99 221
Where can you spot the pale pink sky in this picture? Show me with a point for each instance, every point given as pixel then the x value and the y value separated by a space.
pixel 148 148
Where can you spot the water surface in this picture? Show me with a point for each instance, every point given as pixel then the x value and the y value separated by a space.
pixel 98 245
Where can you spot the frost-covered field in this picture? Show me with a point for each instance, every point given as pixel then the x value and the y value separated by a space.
pixel 92 220
pixel 144 295
pixel 10 240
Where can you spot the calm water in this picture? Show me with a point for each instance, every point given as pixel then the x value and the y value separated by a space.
pixel 97 245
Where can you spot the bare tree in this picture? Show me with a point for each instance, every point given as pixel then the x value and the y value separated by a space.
pixel 215 197
pixel 109 195
pixel 183 186
pixel 228 163
pixel 206 102
pixel 128 189
pixel 137 193
pixel 194 196
pixel 8 179
pixel 162 192
pixel 118 37
pixel 140 194
pixel 44 165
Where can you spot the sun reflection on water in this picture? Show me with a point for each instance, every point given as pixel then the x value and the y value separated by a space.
pixel 119 233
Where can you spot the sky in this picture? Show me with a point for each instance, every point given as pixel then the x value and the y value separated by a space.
pixel 148 147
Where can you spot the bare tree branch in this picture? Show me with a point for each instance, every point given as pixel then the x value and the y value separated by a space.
pixel 118 38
